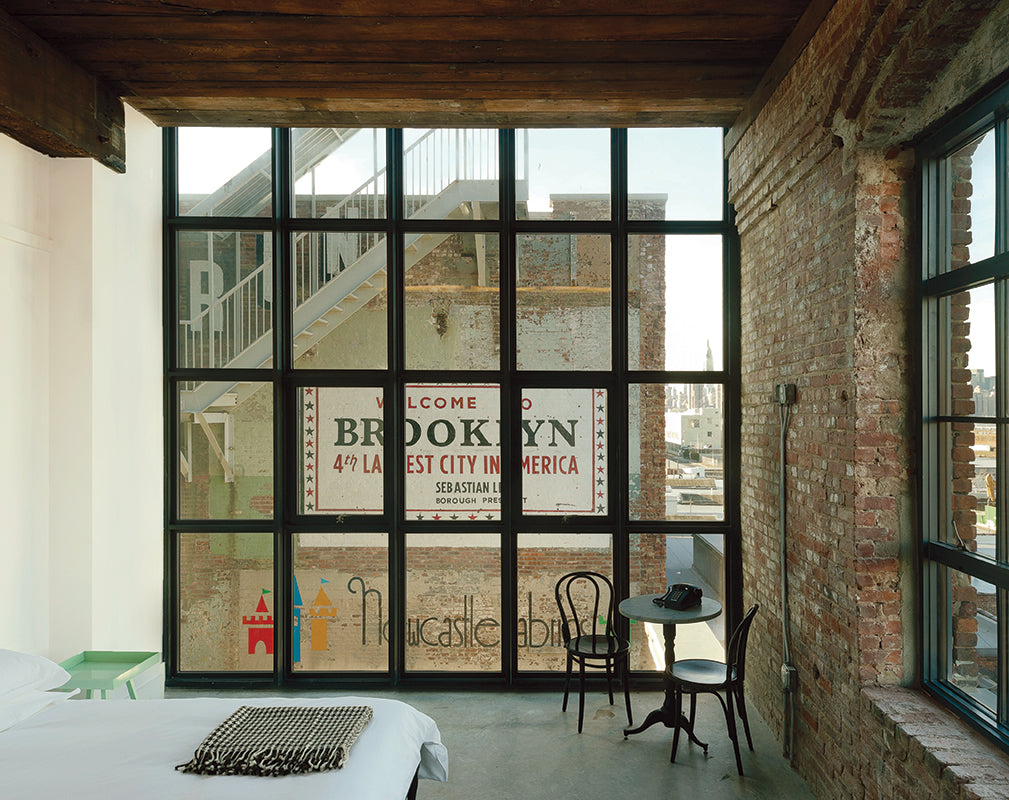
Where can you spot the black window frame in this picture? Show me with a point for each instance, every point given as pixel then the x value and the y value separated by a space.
pixel 941 549
pixel 287 520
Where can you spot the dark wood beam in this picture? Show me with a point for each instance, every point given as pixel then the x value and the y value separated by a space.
pixel 411 112
pixel 50 104
pixel 386 31
pixel 395 8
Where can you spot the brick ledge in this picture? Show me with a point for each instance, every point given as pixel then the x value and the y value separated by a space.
pixel 918 730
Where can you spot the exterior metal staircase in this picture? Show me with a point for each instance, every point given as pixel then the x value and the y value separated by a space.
pixel 445 171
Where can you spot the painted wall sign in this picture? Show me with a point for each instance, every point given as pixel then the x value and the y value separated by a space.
pixel 453 451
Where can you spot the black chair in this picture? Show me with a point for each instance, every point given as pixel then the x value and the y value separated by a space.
pixel 696 675
pixel 586 603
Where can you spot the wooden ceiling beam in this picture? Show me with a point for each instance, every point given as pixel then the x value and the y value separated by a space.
pixel 410 112
pixel 107 53
pixel 502 78
pixel 459 29
pixel 583 91
pixel 53 106
pixel 393 8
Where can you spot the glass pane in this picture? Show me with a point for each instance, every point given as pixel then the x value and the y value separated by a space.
pixel 971 349
pixel 225 172
pixel 674 173
pixel 225 436
pixel 563 303
pixel 564 451
pixel 452 298
pixel 968 472
pixel 657 560
pixel 648 459
pixel 340 300
pixel 341 606
pixel 562 174
pixel 453 602
pixel 339 173
pixel 450 173
pixel 226 602
pixel 543 558
pixel 972 637
pixel 224 299
pixel 675 302
pixel 453 452
pixel 694 452
pixel 342 432
pixel 972 202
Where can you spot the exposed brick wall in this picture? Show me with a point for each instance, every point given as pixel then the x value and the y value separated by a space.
pixel 913 749
pixel 825 210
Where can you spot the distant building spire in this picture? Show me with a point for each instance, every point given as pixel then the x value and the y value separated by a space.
pixel 709 359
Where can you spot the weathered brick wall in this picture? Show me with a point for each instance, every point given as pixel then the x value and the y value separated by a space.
pixel 913 749
pixel 824 193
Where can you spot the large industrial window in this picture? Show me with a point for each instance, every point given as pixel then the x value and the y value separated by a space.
pixel 415 376
pixel 965 411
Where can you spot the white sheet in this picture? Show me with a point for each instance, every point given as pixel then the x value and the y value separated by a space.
pixel 128 749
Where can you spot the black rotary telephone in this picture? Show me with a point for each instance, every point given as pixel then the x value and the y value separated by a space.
pixel 679 596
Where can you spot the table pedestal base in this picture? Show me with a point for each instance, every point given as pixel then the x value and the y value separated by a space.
pixel 668 717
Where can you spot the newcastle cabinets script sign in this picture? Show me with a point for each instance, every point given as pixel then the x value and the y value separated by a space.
pixel 453 451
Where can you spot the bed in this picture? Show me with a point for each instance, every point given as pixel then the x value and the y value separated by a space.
pixel 125 749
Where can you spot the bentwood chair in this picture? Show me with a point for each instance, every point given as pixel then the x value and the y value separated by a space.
pixel 696 675
pixel 586 604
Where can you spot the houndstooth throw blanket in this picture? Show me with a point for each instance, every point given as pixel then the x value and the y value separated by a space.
pixel 280 740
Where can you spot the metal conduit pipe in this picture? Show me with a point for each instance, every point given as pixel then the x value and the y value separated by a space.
pixel 784 395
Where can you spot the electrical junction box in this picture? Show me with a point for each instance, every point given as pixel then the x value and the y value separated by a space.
pixel 789 678
pixel 784 393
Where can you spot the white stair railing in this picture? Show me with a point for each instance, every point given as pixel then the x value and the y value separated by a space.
pixel 243 315
pixel 221 332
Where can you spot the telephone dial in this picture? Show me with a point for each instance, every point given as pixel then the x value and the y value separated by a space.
pixel 679 596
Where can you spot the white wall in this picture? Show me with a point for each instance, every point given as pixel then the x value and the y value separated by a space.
pixel 81 450
pixel 25 254
pixel 127 416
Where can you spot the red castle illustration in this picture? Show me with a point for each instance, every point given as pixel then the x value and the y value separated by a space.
pixel 260 626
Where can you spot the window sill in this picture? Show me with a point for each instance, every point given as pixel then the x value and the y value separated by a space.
pixel 920 743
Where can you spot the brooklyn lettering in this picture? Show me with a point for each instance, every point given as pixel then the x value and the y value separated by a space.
pixel 368 432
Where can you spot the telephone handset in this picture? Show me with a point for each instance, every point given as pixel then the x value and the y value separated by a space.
pixel 679 596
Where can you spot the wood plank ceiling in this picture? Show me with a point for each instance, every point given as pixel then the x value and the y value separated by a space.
pixel 390 62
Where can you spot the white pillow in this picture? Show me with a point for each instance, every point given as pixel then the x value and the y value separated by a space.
pixel 18 706
pixel 19 671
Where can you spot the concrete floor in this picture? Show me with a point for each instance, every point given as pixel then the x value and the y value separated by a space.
pixel 520 746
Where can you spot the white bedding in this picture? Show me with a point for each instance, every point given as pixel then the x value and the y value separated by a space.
pixel 126 749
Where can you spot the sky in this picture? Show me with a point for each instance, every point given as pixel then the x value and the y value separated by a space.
pixel 982 311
